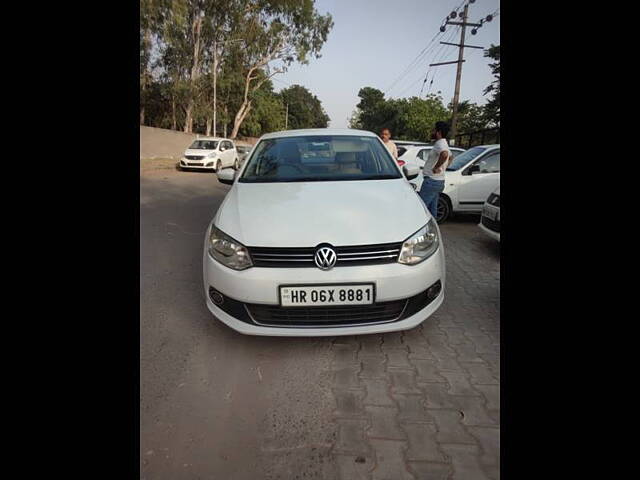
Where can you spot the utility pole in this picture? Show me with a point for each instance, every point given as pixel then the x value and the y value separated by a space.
pixel 456 96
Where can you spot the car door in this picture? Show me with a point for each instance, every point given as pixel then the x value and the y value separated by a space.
pixel 225 155
pixel 476 186
pixel 233 154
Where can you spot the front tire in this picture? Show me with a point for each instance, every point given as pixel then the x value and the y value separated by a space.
pixel 444 209
pixel 219 166
pixel 236 165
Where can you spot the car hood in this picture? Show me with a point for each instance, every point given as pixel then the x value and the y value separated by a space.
pixel 305 214
pixel 197 151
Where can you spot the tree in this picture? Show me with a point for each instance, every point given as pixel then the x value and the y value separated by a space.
pixel 369 114
pixel 305 109
pixel 492 108
pixel 276 33
pixel 149 22
pixel 471 116
pixel 408 119
pixel 253 39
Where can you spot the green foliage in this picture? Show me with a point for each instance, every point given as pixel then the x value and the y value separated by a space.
pixel 471 117
pixel 492 108
pixel 255 40
pixel 305 109
pixel 407 118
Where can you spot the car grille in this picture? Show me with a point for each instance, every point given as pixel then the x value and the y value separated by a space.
pixel 490 224
pixel 195 164
pixel 194 157
pixel 274 315
pixel 304 257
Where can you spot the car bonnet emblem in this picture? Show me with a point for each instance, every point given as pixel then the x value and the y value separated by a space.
pixel 325 258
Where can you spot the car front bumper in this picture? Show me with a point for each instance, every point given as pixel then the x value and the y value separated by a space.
pixel 259 286
pixel 195 164
pixel 487 223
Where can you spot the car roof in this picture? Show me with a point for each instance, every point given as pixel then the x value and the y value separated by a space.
pixel 409 142
pixel 431 146
pixel 213 138
pixel 318 131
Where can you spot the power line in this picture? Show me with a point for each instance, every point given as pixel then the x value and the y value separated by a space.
pixel 452 34
pixel 416 60
pixel 413 62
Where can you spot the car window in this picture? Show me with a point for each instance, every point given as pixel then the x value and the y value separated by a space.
pixel 229 145
pixel 424 153
pixel 490 163
pixel 320 158
pixel 204 145
pixel 455 153
pixel 464 158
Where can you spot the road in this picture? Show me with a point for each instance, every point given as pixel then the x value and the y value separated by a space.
pixel 215 404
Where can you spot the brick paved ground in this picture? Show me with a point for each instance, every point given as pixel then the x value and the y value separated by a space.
pixel 425 404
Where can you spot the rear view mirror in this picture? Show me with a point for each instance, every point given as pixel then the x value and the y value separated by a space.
pixel 410 171
pixel 472 169
pixel 226 176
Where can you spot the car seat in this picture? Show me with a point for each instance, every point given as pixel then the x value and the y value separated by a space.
pixel 348 162
pixel 289 162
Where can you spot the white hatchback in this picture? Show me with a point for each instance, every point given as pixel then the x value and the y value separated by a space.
pixel 210 153
pixel 470 178
pixel 322 234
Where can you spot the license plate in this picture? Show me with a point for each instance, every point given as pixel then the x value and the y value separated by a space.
pixel 490 214
pixel 323 295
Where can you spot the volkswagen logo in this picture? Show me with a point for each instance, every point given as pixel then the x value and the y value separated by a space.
pixel 325 258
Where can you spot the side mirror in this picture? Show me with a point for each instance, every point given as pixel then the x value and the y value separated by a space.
pixel 410 171
pixel 472 169
pixel 226 176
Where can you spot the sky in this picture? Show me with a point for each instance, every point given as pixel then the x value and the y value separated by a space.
pixel 373 42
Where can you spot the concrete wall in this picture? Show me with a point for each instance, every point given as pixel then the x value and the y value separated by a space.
pixel 163 143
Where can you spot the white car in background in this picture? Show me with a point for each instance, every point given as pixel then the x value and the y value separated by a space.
pixel 418 155
pixel 210 153
pixel 322 235
pixel 490 218
pixel 469 179
pixel 404 145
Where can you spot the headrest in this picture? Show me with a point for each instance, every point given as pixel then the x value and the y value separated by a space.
pixel 346 157
pixel 289 153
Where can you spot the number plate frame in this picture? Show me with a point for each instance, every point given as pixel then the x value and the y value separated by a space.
pixel 313 285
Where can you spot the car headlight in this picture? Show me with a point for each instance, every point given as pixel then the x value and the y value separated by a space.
pixel 421 245
pixel 228 251
pixel 212 155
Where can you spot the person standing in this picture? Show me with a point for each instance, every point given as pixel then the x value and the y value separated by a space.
pixel 385 135
pixel 434 168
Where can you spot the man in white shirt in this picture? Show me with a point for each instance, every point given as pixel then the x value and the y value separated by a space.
pixel 385 135
pixel 434 168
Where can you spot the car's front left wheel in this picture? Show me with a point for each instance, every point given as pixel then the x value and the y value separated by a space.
pixel 236 165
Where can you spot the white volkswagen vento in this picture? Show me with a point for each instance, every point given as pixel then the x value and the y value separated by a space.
pixel 322 234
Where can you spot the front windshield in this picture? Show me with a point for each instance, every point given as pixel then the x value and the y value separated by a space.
pixel 464 158
pixel 204 145
pixel 320 158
